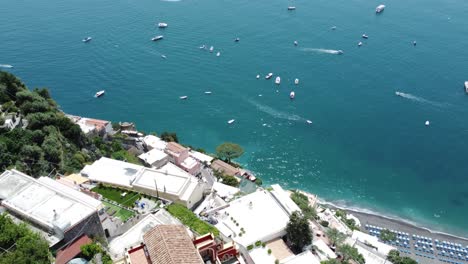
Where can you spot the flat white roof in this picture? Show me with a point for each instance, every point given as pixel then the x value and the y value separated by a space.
pixel 46 202
pixel 368 239
pixel 154 142
pixel 304 257
pixel 259 213
pixel 260 255
pixel 284 198
pixel 134 236
pixel 224 190
pixel 189 163
pixel 200 156
pixel 153 155
pixel 169 177
pixel 112 171
pixel 325 251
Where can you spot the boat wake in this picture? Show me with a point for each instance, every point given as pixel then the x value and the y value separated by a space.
pixel 170 0
pixel 8 66
pixel 275 113
pixel 326 51
pixel 419 99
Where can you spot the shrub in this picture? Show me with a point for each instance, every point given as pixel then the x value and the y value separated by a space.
pixel 269 251
pixel 324 223
pixel 189 219
pixel 276 261
pixel 250 247
pixel 258 243
pixel 263 244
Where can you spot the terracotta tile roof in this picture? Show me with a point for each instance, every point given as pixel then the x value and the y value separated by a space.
pixel 138 256
pixel 175 147
pixel 222 166
pixel 100 124
pixel 72 250
pixel 171 244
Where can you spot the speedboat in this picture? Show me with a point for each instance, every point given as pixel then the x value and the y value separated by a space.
pixel 399 93
pixel 295 43
pixel 162 25
pixel 88 39
pixel 339 52
pixel 380 8
pixel 231 121
pixel 236 39
pixel 268 76
pixel 291 8
pixel 296 81
pixel 218 54
pixel 156 38
pixel 365 36
pixel 309 122
pixel 278 80
pixel 183 97
pixel 208 92
pixel 258 76
pixel 99 94
pixel 292 95
pixel 211 49
pixel 359 44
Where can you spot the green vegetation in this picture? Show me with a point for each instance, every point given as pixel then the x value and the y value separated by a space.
pixel 341 214
pixel 115 195
pixel 269 251
pixel 395 258
pixel 250 247
pixel 350 253
pixel 228 151
pixel 335 236
pixel 298 231
pixel 50 142
pixel 113 149
pixel 189 219
pixel 169 137
pixel 258 243
pixel 90 250
pixel 119 212
pixel 387 235
pixel 324 223
pixel 226 179
pixel 331 261
pixel 21 245
pixel 303 202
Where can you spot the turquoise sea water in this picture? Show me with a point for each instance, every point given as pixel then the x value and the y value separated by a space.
pixel 366 145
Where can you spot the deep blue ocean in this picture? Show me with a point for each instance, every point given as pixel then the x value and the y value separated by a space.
pixel 367 147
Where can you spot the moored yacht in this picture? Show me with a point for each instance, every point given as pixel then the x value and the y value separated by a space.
pixel 211 49
pixel 291 8
pixel 268 76
pixel 292 95
pixel 258 76
pixel 466 86
pixel 278 80
pixel 296 81
pixel 380 8
pixel 99 94
pixel 183 97
pixel 218 54
pixel 236 39
pixel 88 39
pixel 231 121
pixel 359 44
pixel 365 36
pixel 162 25
pixel 156 38
pixel 295 43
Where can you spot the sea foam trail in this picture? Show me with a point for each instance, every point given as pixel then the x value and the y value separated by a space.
pixel 171 0
pixel 419 99
pixel 327 51
pixel 275 113
pixel 6 66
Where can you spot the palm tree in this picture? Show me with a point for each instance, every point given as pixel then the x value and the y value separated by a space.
pixel 335 236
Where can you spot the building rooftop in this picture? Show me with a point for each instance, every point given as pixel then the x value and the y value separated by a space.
pixel 153 142
pixel 112 171
pixel 134 236
pixel 304 257
pixel 153 156
pixel 201 157
pixel 175 148
pixel 88 124
pixel 189 163
pixel 66 254
pixel 252 212
pixel 222 166
pixel 171 244
pixel 224 190
pixel 324 251
pixel 138 255
pixel 45 201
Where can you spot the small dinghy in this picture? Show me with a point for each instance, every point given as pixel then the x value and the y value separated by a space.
pixel 295 43
pixel 308 122
pixel 211 49
pixel 278 80
pixel 296 81
pixel 88 39
pixel 183 97
pixel 427 123
pixel 258 76
pixel 162 25
pixel 268 76
pixel 163 56
pixel 291 8
pixel 218 54
pixel 359 44
pixel 236 39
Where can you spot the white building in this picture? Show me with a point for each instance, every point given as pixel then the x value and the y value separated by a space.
pixel 134 236
pixel 50 206
pixel 112 172
pixel 92 126
pixel 203 158
pixel 364 238
pixel 154 158
pixel 153 142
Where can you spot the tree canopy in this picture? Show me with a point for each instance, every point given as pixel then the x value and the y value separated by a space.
pixel 169 137
pixel 20 244
pixel 228 151
pixel 335 236
pixel 298 231
pixel 395 258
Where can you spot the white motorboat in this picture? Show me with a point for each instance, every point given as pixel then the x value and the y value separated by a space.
pixel 8 66
pixel 295 43
pixel 258 76
pixel 268 76
pixel 88 39
pixel 333 28
pixel 296 81
pixel 292 95
pixel 380 8
pixel 218 54
pixel 278 80
pixel 231 121
pixel 427 123
pixel 208 92
pixel 236 39
pixel 183 97
pixel 163 56
pixel 365 36
pixel 99 94
pixel 414 43
pixel 203 47
pixel 291 8
pixel 211 49
pixel 466 86
pixel 162 25
pixel 359 44
pixel 309 122
pixel 339 52
pixel 156 38
pixel 399 94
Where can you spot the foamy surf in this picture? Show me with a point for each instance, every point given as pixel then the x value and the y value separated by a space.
pixel 325 51
pixel 419 99
pixel 8 66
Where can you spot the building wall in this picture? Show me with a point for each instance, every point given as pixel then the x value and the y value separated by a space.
pixel 159 163
pixel 195 170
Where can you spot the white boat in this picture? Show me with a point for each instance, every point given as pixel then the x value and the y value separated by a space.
pixel 309 122
pixel 427 123
pixel 218 54
pixel 211 49
pixel 466 86
pixel 278 80
pixel 236 39
pixel 8 66
pixel 258 76
pixel 339 52
pixel 333 28
pixel 156 38
pixel 380 8
pixel 183 97
pixel 365 36
pixel 203 47
pixel 292 95
pixel 162 25
pixel 231 121
pixel 295 43
pixel 296 81
pixel 208 92
pixel 99 94
pixel 359 44
pixel 414 43
pixel 88 39
pixel 163 56
pixel 291 8
pixel 268 76
pixel 399 94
